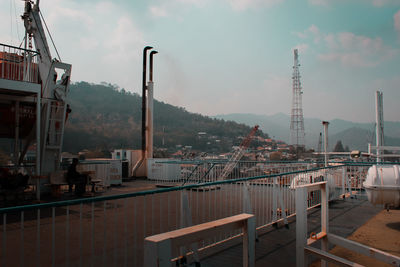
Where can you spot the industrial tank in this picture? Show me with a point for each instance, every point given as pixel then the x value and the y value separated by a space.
pixel 383 185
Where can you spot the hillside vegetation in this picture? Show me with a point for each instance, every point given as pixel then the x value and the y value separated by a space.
pixel 104 118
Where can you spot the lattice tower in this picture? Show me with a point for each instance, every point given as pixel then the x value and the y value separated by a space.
pixel 297 120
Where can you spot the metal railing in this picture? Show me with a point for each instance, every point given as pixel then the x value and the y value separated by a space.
pixel 110 230
pixel 187 172
pixel 18 64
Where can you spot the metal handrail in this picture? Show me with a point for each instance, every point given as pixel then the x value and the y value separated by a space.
pixel 19 48
pixel 150 192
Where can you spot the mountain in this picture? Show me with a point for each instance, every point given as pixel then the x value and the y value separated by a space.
pixel 353 134
pixel 105 117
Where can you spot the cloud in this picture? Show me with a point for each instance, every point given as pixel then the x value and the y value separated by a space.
pixel 396 19
pixel 101 40
pixel 240 5
pixel 318 2
pixel 381 3
pixel 171 8
pixel 302 48
pixel 312 32
pixel 376 3
pixel 348 48
pixel 356 50
pixel 158 11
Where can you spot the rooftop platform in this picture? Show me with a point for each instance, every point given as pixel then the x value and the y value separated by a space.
pixel 277 247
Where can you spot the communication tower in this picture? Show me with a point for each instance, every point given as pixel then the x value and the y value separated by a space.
pixel 297 120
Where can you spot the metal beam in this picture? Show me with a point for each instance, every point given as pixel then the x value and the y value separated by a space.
pixel 365 250
pixel 330 257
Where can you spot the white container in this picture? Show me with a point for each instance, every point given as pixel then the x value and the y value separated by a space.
pixel 315 177
pixel 383 185
pixel 157 170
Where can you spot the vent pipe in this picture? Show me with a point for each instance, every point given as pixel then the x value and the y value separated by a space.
pixel 150 100
pixel 325 124
pixel 379 125
pixel 144 87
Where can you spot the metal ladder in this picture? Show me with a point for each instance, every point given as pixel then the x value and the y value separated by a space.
pixel 54 125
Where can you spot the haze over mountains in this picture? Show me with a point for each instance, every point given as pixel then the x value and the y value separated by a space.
pixel 353 134
pixel 105 117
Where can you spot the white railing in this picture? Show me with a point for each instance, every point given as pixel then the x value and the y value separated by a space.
pixel 18 64
pixel 110 230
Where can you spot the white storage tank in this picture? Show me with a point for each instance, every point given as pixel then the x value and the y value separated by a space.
pixel 383 185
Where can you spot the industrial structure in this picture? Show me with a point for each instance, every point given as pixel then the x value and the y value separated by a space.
pixel 296 118
pixel 33 93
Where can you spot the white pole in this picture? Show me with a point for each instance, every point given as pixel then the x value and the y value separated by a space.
pixel 325 124
pixel 149 128
pixel 379 124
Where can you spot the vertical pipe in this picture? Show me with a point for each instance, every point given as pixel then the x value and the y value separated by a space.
pixel 38 238
pixel 22 253
pixel 38 105
pixel 16 150
pixel 125 235
pixel 379 124
pixel 80 234
pixel 4 246
pixel 53 236
pixel 67 239
pixel 149 118
pixel 92 236
pixel 152 53
pixel 144 87
pixel 104 233
pixel 325 124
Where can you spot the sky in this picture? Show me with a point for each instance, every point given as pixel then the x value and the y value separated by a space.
pixel 233 56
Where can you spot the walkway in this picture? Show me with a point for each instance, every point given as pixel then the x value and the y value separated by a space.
pixel 278 247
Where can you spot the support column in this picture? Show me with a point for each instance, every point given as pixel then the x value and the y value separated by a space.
pixel 301 226
pixel 149 128
pixel 324 218
pixel 325 124
pixel 16 144
pixel 379 125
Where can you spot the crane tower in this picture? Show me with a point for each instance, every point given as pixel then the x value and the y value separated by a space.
pixel 297 120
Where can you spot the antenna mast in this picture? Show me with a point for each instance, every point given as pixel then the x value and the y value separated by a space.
pixel 297 120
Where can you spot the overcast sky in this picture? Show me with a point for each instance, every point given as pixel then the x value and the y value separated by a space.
pixel 233 56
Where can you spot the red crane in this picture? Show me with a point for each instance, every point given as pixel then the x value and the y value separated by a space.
pixel 238 154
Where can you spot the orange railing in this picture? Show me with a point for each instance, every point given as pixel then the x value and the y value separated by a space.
pixel 18 64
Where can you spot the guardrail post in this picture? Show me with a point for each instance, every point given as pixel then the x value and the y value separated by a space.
pixel 157 254
pixel 249 235
pixel 301 226
pixel 344 181
pixel 274 200
pixel 324 218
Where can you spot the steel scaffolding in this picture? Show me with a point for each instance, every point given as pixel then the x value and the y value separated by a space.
pixel 297 120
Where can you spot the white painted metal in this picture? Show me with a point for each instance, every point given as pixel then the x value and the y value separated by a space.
pixel 159 248
pixel 158 170
pixel 226 200
pixel 325 124
pixel 301 219
pixel 149 114
pixel 379 124
pixel 363 249
pixel 53 90
pixel 383 185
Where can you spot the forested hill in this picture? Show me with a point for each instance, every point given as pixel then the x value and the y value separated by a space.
pixel 104 117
